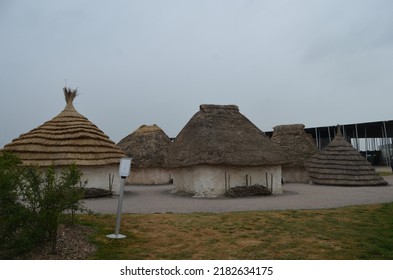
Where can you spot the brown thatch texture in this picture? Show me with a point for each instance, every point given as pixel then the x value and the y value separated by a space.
pixel 297 144
pixel 342 165
pixel 67 138
pixel 221 135
pixel 148 146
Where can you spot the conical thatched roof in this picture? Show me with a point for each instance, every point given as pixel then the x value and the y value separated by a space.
pixel 148 146
pixel 67 138
pixel 295 142
pixel 341 164
pixel 221 135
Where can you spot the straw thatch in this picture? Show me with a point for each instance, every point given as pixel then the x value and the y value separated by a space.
pixel 342 165
pixel 148 146
pixel 67 138
pixel 295 142
pixel 221 135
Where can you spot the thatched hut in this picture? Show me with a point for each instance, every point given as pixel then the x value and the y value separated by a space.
pixel 298 147
pixel 220 148
pixel 70 138
pixel 148 146
pixel 340 164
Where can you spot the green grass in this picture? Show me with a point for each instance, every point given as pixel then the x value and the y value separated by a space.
pixel 361 232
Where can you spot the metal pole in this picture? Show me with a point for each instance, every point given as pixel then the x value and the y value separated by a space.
pixel 383 145
pixel 386 143
pixel 319 140
pixel 330 138
pixel 387 148
pixel 117 234
pixel 119 206
pixel 365 141
pixel 374 143
pixel 357 137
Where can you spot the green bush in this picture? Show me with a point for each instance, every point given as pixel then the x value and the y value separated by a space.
pixel 33 203
pixel 16 229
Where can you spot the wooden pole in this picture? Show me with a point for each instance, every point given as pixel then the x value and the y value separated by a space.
pixel 267 182
pixel 226 184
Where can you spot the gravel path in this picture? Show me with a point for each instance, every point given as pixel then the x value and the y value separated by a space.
pixel 158 199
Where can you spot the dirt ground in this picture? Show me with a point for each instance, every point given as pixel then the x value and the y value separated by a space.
pixel 159 199
pixel 72 244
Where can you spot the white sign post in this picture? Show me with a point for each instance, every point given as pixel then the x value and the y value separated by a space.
pixel 124 171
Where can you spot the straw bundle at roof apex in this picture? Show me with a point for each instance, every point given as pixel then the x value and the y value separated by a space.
pixel 70 95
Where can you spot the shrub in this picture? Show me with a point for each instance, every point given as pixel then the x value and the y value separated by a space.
pixel 32 204
pixel 16 229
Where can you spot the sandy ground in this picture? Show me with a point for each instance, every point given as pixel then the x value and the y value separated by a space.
pixel 159 199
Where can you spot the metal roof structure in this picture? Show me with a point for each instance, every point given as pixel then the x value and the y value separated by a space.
pixel 379 129
pixel 367 136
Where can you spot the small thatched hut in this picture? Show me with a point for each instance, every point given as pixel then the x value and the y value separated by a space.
pixel 342 165
pixel 298 147
pixel 71 138
pixel 220 148
pixel 148 146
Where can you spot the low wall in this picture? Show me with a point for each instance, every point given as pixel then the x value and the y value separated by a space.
pixel 295 175
pixel 149 176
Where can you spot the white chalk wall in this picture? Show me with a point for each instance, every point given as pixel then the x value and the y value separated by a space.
pixel 209 181
pixel 149 176
pixel 98 176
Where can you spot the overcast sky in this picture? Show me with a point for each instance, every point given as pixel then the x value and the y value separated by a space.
pixel 155 61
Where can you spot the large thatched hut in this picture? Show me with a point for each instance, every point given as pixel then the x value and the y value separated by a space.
pixel 342 165
pixel 220 148
pixel 298 147
pixel 148 146
pixel 70 138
